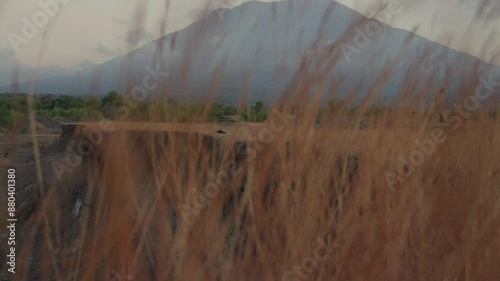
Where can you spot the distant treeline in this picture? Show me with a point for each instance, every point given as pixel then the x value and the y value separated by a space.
pixel 115 106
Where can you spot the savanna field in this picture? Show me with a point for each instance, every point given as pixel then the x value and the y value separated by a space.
pixel 380 168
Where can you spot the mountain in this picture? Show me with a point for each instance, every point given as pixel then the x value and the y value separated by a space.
pixel 259 48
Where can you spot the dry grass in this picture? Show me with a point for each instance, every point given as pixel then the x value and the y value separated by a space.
pixel 440 223
pixel 308 182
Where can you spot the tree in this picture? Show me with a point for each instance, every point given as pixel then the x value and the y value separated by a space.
pixel 92 103
pixel 259 106
pixel 257 113
pixel 260 112
pixel 110 102
pixel 45 103
pixel 67 102
pixel 18 103
pixel 111 98
pixel 5 116
pixel 248 114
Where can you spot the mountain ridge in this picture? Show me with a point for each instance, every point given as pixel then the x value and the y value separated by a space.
pixel 215 29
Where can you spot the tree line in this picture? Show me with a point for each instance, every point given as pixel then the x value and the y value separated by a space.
pixel 66 108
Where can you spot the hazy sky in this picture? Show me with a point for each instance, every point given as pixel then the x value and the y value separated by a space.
pixel 88 32
pixel 471 26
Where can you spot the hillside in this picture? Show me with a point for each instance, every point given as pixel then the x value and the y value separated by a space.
pixel 258 47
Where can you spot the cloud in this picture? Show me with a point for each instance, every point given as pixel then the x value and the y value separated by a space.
pixel 101 49
pixel 6 55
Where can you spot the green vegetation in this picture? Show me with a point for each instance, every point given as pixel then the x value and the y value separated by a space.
pixel 115 106
pixel 258 113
